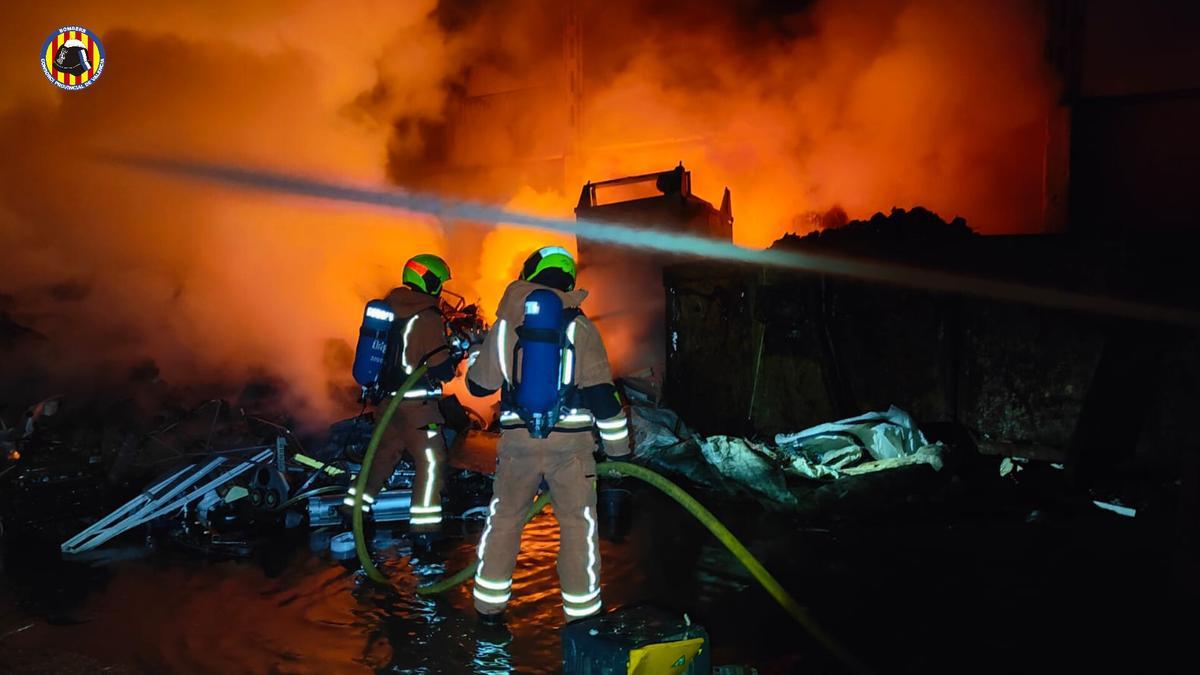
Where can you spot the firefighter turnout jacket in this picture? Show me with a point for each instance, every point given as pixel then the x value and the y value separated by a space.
pixel 416 427
pixel 564 458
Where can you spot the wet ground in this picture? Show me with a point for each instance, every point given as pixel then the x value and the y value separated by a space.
pixel 915 571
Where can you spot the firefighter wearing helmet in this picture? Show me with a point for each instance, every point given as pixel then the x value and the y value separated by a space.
pixel 556 397
pixel 418 336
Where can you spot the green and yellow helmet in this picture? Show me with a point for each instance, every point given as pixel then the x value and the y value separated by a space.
pixel 551 266
pixel 426 273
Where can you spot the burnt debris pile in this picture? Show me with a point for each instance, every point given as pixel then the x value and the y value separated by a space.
pixel 1107 398
pixel 66 461
pixel 901 229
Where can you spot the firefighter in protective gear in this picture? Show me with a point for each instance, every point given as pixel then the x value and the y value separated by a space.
pixel 416 426
pixel 564 457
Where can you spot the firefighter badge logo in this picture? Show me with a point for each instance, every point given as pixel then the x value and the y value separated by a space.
pixel 72 58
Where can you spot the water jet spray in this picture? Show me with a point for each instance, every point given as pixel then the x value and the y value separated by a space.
pixel 629 236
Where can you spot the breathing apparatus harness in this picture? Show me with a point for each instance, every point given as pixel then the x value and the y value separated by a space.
pixel 380 364
pixel 542 394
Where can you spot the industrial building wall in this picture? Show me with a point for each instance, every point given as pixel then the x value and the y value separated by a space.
pixel 1135 162
pixel 756 351
pixel 1135 95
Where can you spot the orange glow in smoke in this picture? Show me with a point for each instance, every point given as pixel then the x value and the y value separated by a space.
pixel 506 247
pixel 864 104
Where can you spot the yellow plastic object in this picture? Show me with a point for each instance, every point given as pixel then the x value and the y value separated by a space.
pixel 786 601
pixel 316 464
pixel 664 658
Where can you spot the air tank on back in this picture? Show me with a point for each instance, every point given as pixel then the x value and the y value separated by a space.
pixel 371 352
pixel 540 336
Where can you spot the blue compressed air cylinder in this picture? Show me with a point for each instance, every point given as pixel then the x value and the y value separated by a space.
pixel 541 344
pixel 370 355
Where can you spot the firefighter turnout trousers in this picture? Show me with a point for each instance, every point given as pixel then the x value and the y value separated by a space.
pixel 427 448
pixel 565 461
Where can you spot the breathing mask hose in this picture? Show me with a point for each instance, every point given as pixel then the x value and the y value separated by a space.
pixel 612 469
pixel 360 485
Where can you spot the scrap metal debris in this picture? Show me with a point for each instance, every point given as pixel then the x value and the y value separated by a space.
pixel 1118 509
pixel 210 479
pixel 166 497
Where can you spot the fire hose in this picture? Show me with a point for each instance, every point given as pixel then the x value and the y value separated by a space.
pixel 360 485
pixel 610 469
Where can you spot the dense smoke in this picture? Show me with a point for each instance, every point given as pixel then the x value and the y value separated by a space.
pixel 800 108
pixel 214 286
pixel 866 104
pixel 863 105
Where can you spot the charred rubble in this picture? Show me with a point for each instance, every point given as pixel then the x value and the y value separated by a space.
pixel 68 464
pixel 1106 399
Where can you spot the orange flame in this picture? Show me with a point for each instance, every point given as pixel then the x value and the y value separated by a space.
pixel 866 104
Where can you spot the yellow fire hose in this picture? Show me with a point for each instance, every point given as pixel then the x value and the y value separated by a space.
pixel 446 583
pixel 722 533
pixel 607 470
pixel 360 485
pixel 739 551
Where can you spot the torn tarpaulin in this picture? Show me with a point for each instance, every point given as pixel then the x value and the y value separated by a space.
pixel 865 444
pixel 755 467
pixel 663 441
pixel 872 442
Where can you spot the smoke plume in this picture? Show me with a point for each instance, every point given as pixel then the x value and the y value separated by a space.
pixel 861 105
